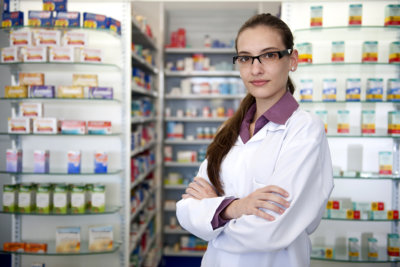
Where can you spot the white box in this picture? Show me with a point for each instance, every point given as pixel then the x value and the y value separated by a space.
pixel 30 110
pixel 10 54
pixel 91 55
pixel 45 125
pixel 61 54
pixel 19 125
pixel 101 238
pixel 20 38
pixel 47 38
pixel 68 239
pixel 34 54
pixel 76 39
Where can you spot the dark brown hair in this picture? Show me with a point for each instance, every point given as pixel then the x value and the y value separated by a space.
pixel 229 131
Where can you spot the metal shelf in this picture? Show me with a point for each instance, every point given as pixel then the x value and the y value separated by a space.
pixel 141 63
pixel 139 37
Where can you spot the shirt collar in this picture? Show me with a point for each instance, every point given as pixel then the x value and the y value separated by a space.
pixel 281 111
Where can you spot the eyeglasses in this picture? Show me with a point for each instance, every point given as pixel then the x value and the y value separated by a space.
pixel 265 58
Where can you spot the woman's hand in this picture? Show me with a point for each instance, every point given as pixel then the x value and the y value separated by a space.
pixel 266 197
pixel 199 189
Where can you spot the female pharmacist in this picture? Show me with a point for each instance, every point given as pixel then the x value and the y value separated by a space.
pixel 267 176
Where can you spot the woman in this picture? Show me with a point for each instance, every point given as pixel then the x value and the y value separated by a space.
pixel 267 176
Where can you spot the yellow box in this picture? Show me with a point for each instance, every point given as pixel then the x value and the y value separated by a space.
pixel 70 92
pixel 85 80
pixel 31 78
pixel 19 91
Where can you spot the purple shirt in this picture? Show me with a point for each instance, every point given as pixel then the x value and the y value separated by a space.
pixel 279 113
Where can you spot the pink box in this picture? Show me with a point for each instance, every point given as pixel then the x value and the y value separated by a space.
pixel 14 160
pixel 99 127
pixel 41 161
pixel 73 127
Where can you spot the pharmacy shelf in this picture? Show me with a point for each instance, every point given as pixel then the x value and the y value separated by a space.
pixel 357 64
pixel 140 37
pixel 382 258
pixel 171 253
pixel 141 231
pixel 175 187
pixel 176 231
pixel 196 119
pixel 60 67
pixel 61 135
pixel 139 62
pixel 182 164
pixel 187 142
pixel 359 220
pixel 203 96
pixel 108 210
pixel 363 29
pixel 143 204
pixel 63 100
pixel 368 176
pixel 140 120
pixel 348 102
pixel 215 73
pixel 170 209
pixel 148 247
pixel 61 173
pixel 142 91
pixel 51 250
pixel 203 50
pixel 139 150
pixel 142 177
pixel 365 136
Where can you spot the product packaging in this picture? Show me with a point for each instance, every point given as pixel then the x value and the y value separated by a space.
pixel 393 90
pixel 41 159
pixel 85 79
pixel 61 54
pixel 370 51
pixel 42 91
pixel 355 14
pixel 10 55
pixel 338 51
pixel 316 16
pixel 31 78
pixel 76 39
pixel 40 18
pixel 14 246
pixel 100 162
pixel 12 19
pixel 167 153
pixel 14 160
pixel 322 252
pixel 114 25
pixel 78 203
pixel 372 248
pixel 45 126
pixel 74 161
pixel 394 122
pixel 393 246
pixel 343 121
pixel 305 52
pixel 394 52
pixel 306 90
pixel 385 162
pixel 31 110
pixel 329 90
pixel 44 198
pixel 68 239
pixel 99 127
pixel 70 92
pixel 96 21
pixel 392 15
pixel 19 91
pixel 73 127
pixel 353 89
pixel 368 122
pixel 91 55
pixel 354 248
pixel 55 5
pixel 88 196
pixel 34 54
pixel 26 198
pixel 374 91
pixel 47 38
pixel 60 198
pixel 10 197
pixel 98 198
pixel 101 92
pixel 67 19
pixel 36 247
pixel 21 38
pixel 101 238
pixel 6 6
pixel 20 125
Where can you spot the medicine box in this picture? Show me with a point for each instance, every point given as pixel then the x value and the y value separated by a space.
pixel 55 5
pixel 393 90
pixel 99 127
pixel 47 38
pixel 36 247
pixel 31 78
pixel 10 54
pixel 85 79
pixel 67 19
pixel 68 239
pixel 45 126
pixel 100 162
pixel 20 38
pixel 40 18
pixel 44 198
pixel 26 198
pixel 98 198
pixel 392 15
pixel 78 203
pixel 19 91
pixel 61 54
pixel 353 89
pixel 96 21
pixel 6 6
pixel 316 16
pixel 34 54
pixel 374 90
pixel 394 122
pixel 14 246
pixel 73 127
pixel 101 92
pixel 20 125
pixel 385 162
pixel 91 55
pixel 42 91
pixel 30 109
pixel 41 162
pixel 101 238
pixel 368 121
pixel 370 51
pixel 12 19
pixel 70 92
pixel 343 121
pixel 78 39
pixel 10 193
pixel 14 160
pixel 355 15
pixel 60 198
pixel 74 161
pixel 114 25
pixel 329 90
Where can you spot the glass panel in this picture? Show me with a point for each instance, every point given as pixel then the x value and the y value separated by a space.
pixel 67 100
pixel 382 257
pixel 369 64
pixel 51 135
pixel 59 172
pixel 348 102
pixel 355 220
pixel 106 31
pixel 108 210
pixel 362 136
pixel 58 66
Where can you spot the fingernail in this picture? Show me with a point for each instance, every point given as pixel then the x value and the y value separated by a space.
pixel 281 211
pixel 272 219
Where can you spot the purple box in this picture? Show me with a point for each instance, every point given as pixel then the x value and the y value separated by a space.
pixel 101 92
pixel 41 161
pixel 12 19
pixel 42 91
pixel 67 19
pixel 14 160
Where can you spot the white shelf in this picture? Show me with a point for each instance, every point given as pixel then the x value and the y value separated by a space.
pixel 202 73
pixel 203 50
pixel 197 119
pixel 180 164
pixel 203 96
pixel 187 142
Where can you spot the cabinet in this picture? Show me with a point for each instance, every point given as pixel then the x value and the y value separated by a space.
pixel 356 154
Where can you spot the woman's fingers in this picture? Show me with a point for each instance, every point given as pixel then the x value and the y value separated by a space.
pixel 274 198
pixel 274 189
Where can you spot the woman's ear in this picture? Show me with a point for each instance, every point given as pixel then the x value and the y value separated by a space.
pixel 294 60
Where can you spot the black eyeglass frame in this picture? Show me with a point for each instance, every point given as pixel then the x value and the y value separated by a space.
pixel 281 54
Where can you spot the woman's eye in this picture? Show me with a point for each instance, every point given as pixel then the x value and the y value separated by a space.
pixel 270 55
pixel 244 59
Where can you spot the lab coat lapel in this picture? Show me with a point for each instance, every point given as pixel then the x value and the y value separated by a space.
pixel 269 127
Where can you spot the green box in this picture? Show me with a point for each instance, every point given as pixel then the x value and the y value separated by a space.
pixel 98 198
pixel 26 198
pixel 60 199
pixel 44 198
pixel 10 197
pixel 78 204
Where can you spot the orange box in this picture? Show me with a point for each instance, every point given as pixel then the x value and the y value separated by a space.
pixel 14 246
pixel 31 78
pixel 377 206
pixel 36 247
pixel 393 214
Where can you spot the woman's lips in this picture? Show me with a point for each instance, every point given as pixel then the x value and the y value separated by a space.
pixel 259 82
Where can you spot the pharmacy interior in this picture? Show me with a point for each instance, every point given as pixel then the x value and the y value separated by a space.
pixel 107 109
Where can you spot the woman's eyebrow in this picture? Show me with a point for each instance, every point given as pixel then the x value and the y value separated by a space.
pixel 262 51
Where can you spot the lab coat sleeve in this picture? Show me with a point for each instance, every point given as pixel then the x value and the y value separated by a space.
pixel 195 215
pixel 303 169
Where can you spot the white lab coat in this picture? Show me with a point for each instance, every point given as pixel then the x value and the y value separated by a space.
pixel 294 156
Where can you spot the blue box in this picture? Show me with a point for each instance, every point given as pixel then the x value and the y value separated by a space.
pixel 74 162
pixel 95 21
pixel 67 19
pixel 114 25
pixel 100 162
pixel 12 19
pixel 40 18
pixel 6 6
pixel 55 5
